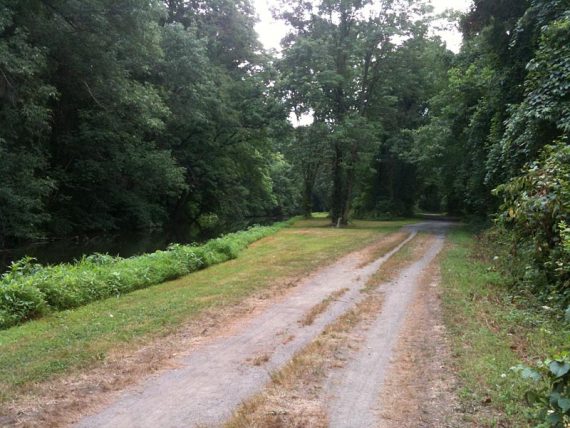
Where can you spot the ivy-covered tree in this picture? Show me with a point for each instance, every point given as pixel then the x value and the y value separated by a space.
pixel 503 122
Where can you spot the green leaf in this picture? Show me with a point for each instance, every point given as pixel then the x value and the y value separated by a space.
pixel 558 368
pixel 554 419
pixel 554 397
pixel 567 316
pixel 528 373
pixel 564 404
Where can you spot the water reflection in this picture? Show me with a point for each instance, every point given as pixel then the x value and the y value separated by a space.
pixel 120 244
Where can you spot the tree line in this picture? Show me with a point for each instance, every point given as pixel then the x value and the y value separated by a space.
pixel 135 114
pixel 496 142
pixel 132 114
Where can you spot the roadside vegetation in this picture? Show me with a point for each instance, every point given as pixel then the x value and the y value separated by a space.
pixel 30 290
pixel 498 334
pixel 80 339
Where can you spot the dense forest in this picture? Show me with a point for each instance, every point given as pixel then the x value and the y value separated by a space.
pixel 131 114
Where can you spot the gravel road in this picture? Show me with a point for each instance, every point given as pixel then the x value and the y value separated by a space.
pixel 353 392
pixel 212 380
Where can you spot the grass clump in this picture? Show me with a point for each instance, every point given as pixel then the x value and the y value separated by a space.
pixel 321 307
pixel 30 290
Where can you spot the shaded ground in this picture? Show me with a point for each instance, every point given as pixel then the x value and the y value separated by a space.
pixel 69 361
pixel 359 343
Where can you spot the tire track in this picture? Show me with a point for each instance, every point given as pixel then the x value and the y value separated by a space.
pixel 214 379
pixel 353 392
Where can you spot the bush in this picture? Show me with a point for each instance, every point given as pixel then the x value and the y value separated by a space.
pixel 20 300
pixel 533 226
pixel 29 290
pixel 536 211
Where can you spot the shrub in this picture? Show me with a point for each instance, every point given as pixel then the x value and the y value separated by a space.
pixel 550 400
pixel 536 211
pixel 20 301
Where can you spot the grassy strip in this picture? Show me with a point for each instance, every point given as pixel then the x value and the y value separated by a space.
pixel 411 251
pixel 319 308
pixel 30 290
pixel 83 338
pixel 385 246
pixel 491 334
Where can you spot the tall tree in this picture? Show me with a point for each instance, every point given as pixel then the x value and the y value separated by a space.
pixel 331 68
pixel 131 114
pixel 24 129
pixel 412 75
pixel 467 118
pixel 216 76
pixel 308 151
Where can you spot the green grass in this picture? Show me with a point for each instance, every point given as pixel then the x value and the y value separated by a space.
pixel 68 341
pixel 491 334
pixel 30 290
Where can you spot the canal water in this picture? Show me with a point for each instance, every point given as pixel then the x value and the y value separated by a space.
pixel 119 244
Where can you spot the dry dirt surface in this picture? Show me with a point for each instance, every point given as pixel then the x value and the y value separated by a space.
pixel 355 393
pixel 384 363
pixel 213 379
pixel 420 389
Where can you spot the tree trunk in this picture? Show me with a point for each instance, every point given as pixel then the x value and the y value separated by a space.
pixel 347 197
pixel 350 178
pixel 337 194
pixel 307 198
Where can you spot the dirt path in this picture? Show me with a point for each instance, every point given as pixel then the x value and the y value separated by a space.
pixel 353 392
pixel 421 388
pixel 214 379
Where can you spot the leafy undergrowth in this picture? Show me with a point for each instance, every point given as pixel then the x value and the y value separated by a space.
pixel 491 334
pixel 81 338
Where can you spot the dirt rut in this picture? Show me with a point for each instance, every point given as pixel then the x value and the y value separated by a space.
pixel 352 393
pixel 212 380
pixel 421 388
